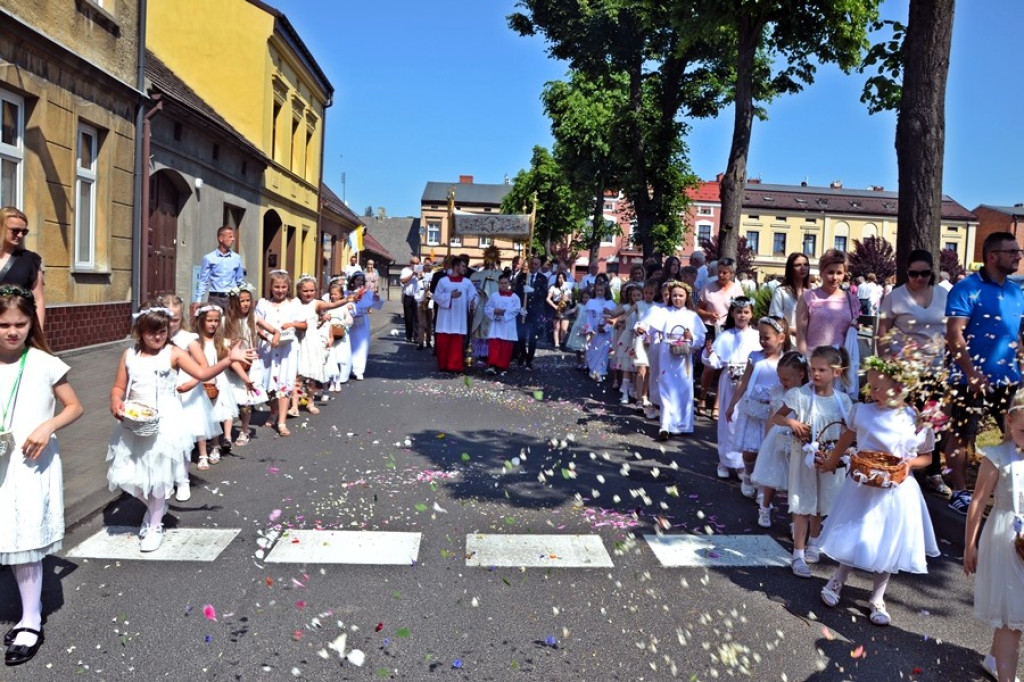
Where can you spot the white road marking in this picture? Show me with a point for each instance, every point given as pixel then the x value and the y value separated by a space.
pixel 180 544
pixel 718 550
pixel 532 551
pixel 346 547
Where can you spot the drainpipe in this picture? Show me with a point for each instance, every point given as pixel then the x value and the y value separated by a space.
pixel 141 164
pixel 147 132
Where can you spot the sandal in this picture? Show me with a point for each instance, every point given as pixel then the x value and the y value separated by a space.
pixel 282 430
pixel 879 616
pixel 214 456
pixel 312 409
pixel 243 439
pixel 294 413
pixel 830 593
pixel 204 464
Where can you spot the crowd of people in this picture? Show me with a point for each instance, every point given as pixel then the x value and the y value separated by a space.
pixel 680 342
pixel 676 342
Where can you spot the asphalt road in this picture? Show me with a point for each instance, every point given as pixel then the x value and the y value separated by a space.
pixel 456 460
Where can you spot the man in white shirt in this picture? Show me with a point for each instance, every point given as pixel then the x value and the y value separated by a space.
pixel 589 278
pixel 944 280
pixel 410 278
pixel 352 267
pixel 455 298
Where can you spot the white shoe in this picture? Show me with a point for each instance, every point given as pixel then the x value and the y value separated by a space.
pixel 812 554
pixel 879 616
pixel 183 493
pixel 152 539
pixel 830 593
pixel 723 471
pixel 800 568
pixel 624 399
pixel 764 517
pixel 746 487
pixel 145 525
pixel 988 664
pixel 359 377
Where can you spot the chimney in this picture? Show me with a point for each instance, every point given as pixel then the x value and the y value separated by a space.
pixel 508 180
pixel 877 188
pixel 718 178
pixel 754 181
pixel 382 213
pixel 803 183
pixel 465 179
pixel 836 184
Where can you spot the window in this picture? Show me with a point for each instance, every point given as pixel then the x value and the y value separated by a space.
pixel 611 231
pixel 840 243
pixel 12 148
pixel 810 244
pixel 703 234
pixel 752 241
pixel 216 152
pixel 608 206
pixel 296 147
pixel 951 246
pixel 310 154
pixel 233 217
pixel 779 244
pixel 754 217
pixel 486 242
pixel 85 198
pixel 517 247
pixel 455 242
pixel 433 233
pixel 274 120
pixel 705 210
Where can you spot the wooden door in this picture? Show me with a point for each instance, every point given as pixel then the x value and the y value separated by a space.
pixel 163 236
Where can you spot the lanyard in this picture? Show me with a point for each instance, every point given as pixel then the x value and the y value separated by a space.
pixel 8 408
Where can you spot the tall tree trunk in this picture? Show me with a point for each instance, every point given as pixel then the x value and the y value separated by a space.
pixel 598 225
pixel 735 178
pixel 639 188
pixel 921 129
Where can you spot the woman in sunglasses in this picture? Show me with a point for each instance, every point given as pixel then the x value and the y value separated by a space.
pixel 18 265
pixel 915 313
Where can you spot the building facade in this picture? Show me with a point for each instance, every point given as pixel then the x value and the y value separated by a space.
pixel 997 219
pixel 70 95
pixel 470 197
pixel 246 60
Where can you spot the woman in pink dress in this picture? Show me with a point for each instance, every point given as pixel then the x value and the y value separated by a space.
pixel 824 314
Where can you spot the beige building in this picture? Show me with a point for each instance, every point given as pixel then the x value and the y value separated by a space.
pixel 437 239
pixel 69 94
pixel 780 219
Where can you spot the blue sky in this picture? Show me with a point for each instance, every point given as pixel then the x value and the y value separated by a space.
pixel 432 90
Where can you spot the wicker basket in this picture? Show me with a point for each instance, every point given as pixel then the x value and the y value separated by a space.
pixel 679 347
pixel 337 332
pixel 211 390
pixel 877 469
pixel 140 419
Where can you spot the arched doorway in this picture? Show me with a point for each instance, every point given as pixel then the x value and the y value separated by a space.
pixel 272 259
pixel 165 201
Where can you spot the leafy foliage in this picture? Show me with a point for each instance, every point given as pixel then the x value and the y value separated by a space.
pixel 882 91
pixel 744 254
pixel 873 254
pixel 949 262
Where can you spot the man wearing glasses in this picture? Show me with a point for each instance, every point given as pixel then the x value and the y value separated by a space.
pixel 983 337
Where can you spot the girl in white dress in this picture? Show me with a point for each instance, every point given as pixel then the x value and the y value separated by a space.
pixel 338 366
pixel 653 341
pixel 31 484
pixel 999 586
pixel 771 470
pixel 198 410
pixel 598 332
pixel 625 317
pixel 641 361
pixel 359 333
pixel 881 530
pixel 211 338
pixel 147 467
pixel 278 369
pixel 577 339
pixel 729 352
pixel 312 353
pixel 749 407
pixel 679 327
pixel 814 414
pixel 244 325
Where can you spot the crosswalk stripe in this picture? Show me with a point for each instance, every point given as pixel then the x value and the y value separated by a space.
pixel 346 547
pixel 180 544
pixel 717 550
pixel 533 551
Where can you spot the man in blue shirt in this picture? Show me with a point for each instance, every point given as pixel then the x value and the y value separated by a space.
pixel 221 271
pixel 983 334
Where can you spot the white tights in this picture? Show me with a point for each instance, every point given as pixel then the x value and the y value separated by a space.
pixel 30 585
pixel 881 581
pixel 156 505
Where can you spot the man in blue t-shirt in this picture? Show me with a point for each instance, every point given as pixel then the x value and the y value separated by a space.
pixel 983 334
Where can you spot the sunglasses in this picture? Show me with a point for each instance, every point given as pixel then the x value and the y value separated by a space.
pixel 18 231
pixel 919 273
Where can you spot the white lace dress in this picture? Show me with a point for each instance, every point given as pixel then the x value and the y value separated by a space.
pixel 145 466
pixel 729 353
pixel 812 491
pixel 771 470
pixel 311 353
pixel 224 407
pixel 198 420
pixel 31 490
pixel 279 365
pixel 999 585
pixel 754 407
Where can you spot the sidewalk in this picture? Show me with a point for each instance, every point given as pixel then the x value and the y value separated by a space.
pixel 84 443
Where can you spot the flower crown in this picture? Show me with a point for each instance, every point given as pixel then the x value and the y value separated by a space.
pixel 244 286
pixel 890 368
pixel 211 308
pixel 15 290
pixel 166 312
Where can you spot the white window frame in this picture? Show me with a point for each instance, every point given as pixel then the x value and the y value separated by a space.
pixel 705 211
pixel 711 232
pixel 756 247
pixel 486 242
pixel 455 242
pixel 846 242
pixel 433 228
pixel 609 223
pixel 15 153
pixel 517 247
pixel 86 176
pixel 954 247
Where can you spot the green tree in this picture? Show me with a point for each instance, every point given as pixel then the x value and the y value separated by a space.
pixel 560 210
pixel 583 111
pixel 912 66
pixel 634 40
pixel 774 50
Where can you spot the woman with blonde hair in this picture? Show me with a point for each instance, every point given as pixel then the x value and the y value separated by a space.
pixel 18 265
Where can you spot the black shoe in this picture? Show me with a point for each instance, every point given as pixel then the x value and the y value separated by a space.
pixel 9 637
pixel 17 654
pixel 662 436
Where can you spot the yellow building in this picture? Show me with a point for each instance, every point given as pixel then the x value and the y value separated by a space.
pixel 69 97
pixel 780 219
pixel 245 59
pixel 437 239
